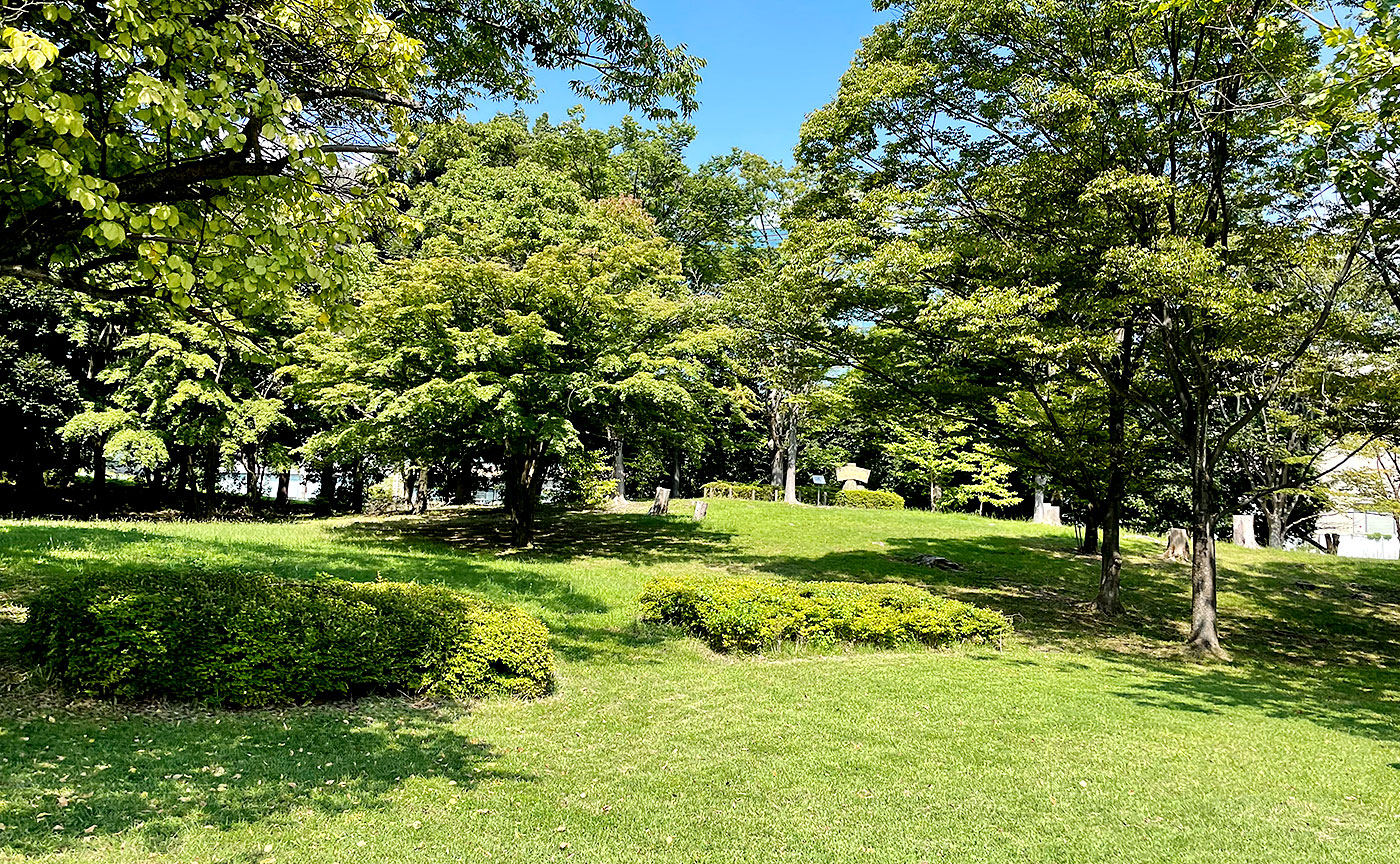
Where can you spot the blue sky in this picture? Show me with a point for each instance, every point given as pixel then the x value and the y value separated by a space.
pixel 770 62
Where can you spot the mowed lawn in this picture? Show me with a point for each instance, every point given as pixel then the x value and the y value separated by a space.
pixel 1080 741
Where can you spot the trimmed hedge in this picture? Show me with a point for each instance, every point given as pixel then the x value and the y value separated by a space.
pixel 750 491
pixel 761 614
pixel 249 640
pixel 868 499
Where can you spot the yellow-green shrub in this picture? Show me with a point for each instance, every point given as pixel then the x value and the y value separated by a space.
pixel 761 614
pixel 249 639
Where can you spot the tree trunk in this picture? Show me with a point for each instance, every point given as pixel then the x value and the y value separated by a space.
pixel 619 471
pixel 1090 544
pixel 325 497
pixel 775 437
pixel 790 472
pixel 676 475
pixel 420 493
pixel 1109 599
pixel 182 471
pixel 1204 636
pixel 284 488
pixel 99 471
pixel 211 474
pixel 523 480
pixel 1273 514
pixel 359 486
pixel 254 488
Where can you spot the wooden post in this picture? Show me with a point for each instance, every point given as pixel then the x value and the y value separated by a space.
pixel 662 505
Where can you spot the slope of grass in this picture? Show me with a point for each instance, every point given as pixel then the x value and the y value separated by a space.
pixel 1083 740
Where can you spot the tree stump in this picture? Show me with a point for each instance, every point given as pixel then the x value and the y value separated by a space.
pixel 1244 530
pixel 1178 545
pixel 662 505
pixel 701 508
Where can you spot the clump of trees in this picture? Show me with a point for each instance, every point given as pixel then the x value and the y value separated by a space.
pixel 1150 274
pixel 1102 253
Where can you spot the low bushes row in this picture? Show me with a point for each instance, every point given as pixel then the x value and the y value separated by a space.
pixel 726 489
pixel 762 614
pixel 868 499
pixel 249 640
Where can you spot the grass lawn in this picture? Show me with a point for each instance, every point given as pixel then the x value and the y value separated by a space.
pixel 1081 741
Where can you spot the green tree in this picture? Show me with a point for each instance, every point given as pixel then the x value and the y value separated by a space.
pixel 956 469
pixel 527 313
pixel 1008 188
pixel 722 216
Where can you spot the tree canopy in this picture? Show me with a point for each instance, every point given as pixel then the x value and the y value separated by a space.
pixel 217 155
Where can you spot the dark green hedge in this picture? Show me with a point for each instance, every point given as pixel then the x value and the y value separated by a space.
pixel 761 614
pixel 868 499
pixel 751 491
pixel 251 640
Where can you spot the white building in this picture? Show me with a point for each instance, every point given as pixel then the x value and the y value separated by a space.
pixel 1359 534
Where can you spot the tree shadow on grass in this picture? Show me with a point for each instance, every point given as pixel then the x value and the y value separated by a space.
pixel 446 548
pixel 92 773
pixel 1293 609
pixel 35 553
pixel 1355 700
pixel 559 534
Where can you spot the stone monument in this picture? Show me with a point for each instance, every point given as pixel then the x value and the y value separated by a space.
pixel 852 476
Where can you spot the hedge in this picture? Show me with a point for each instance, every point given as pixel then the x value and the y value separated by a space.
pixel 751 491
pixel 761 614
pixel 868 499
pixel 248 640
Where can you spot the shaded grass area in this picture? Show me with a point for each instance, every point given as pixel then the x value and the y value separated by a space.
pixel 95 773
pixel 1086 740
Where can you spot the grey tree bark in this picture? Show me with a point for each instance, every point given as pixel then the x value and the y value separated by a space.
pixel 790 472
pixel 776 438
pixel 253 485
pixel 619 467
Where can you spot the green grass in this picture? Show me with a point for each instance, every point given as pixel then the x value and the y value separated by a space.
pixel 1083 740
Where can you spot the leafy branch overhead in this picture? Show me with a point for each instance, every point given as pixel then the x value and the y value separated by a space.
pixel 222 155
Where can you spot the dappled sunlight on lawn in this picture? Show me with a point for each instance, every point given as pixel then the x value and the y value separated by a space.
pixel 74 776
